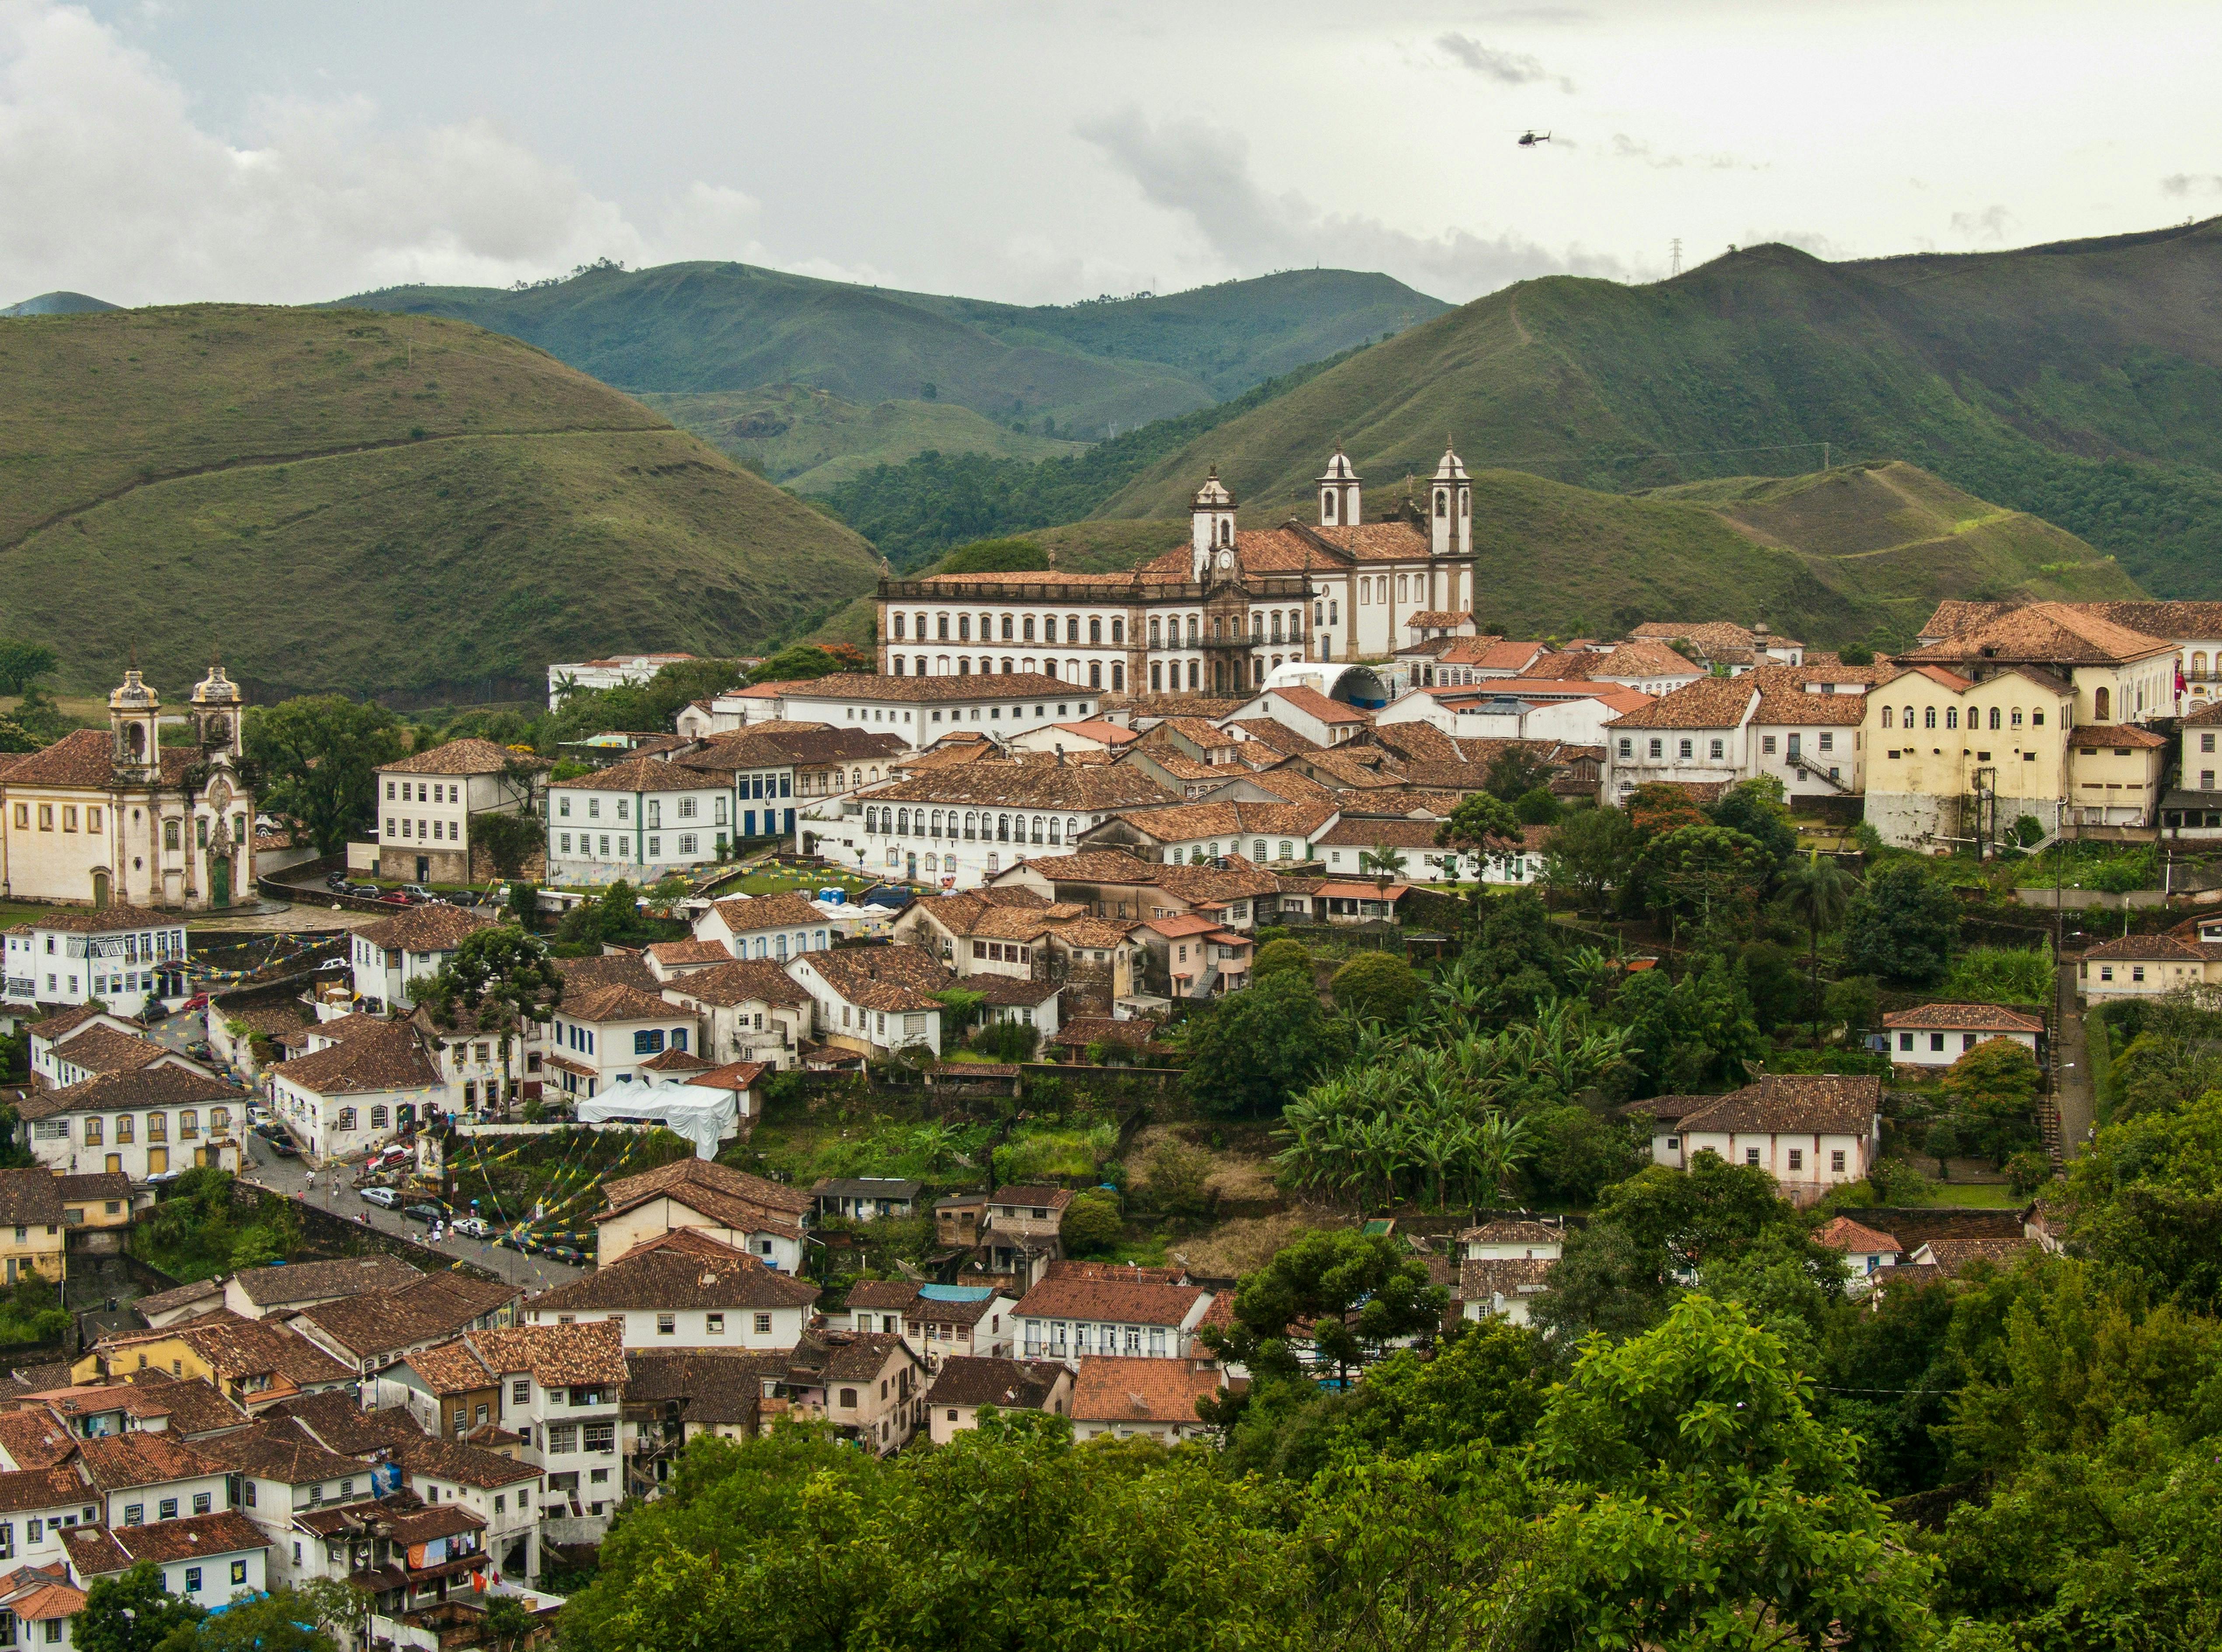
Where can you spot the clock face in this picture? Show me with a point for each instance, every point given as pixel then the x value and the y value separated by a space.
pixel 1227 559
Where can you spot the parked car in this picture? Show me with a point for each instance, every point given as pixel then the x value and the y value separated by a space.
pixel 566 1255
pixel 474 1227
pixel 417 892
pixel 336 880
pixel 198 1001
pixel 385 1197
pixel 396 898
pixel 393 1153
pixel 282 1144
pixel 426 1211
pixel 524 1244
pixel 367 891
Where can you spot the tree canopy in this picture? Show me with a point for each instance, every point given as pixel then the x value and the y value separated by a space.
pixel 318 755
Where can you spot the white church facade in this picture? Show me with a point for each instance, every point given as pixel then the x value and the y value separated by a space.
pixel 117 816
pixel 1217 617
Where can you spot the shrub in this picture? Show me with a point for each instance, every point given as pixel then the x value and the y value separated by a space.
pixel 1091 1224
pixel 1178 1178
pixel 1281 954
pixel 2026 1172
pixel 1377 985
pixel 1006 1041
pixel 2002 974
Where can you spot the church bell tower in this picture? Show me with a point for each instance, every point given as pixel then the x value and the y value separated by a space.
pixel 1211 528
pixel 1450 507
pixel 134 718
pixel 1338 493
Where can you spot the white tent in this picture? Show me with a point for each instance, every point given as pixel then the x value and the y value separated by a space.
pixel 703 1115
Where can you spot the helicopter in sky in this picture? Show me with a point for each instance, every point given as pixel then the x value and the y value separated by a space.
pixel 1531 138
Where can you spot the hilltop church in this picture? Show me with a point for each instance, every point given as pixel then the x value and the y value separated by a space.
pixel 114 816
pixel 1217 617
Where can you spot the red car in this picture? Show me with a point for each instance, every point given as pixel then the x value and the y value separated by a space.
pixel 395 898
pixel 198 1001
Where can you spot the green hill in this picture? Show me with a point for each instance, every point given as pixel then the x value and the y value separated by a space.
pixel 812 441
pixel 57 304
pixel 2082 382
pixel 1861 553
pixel 400 506
pixel 1085 367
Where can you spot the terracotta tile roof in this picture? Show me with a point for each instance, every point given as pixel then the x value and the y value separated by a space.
pixel 390 1060
pixel 882 977
pixel 1512 1231
pixel 682 1269
pixel 102 1049
pixel 744 980
pixel 616 1003
pixel 33 1489
pixel 733 1197
pixel 786 910
pixel 1842 1234
pixel 681 1061
pixel 1364 831
pixel 93 1551
pixel 464 757
pixel 1017 685
pixel 1096 932
pixel 335 1417
pixel 235 1348
pixel 1110 1390
pixel 385 1321
pixel 1182 822
pixel 2044 633
pixel 1013 990
pixel 82 757
pixel 883 1296
pixel 33 1439
pixel 450 1459
pixel 2168 949
pixel 101 921
pixel 1124 1301
pixel 41 1595
pixel 2110 734
pixel 30 1197
pixel 1304 698
pixel 853 1356
pixel 2205 716
pixel 708 1386
pixel 280 1449
pixel 452 1368
pixel 605 969
pixel 1278 736
pixel 557 1356
pixel 54 1026
pixel 142 1457
pixel 1031 1194
pixel 1799 1103
pixel 1511 1277
pixel 192 1404
pixel 183 1296
pixel 352 1276
pixel 148 1087
pixel 1082 1031
pixel 1096 866
pixel 1008 1385
pixel 433 926
pixel 796 745
pixel 1965 1018
pixel 690 951
pixel 1710 702
pixel 1051 785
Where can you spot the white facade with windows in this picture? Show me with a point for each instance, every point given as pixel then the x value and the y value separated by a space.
pixel 589 1058
pixel 1015 698
pixel 637 820
pixel 121 956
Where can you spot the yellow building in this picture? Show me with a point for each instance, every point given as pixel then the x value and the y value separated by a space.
pixel 32 1224
pixel 114 815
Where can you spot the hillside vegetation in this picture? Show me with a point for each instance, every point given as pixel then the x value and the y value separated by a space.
pixel 812 441
pixel 399 506
pixel 2080 382
pixel 1088 369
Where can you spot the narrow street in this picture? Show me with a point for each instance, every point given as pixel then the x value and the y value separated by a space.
pixel 2078 1099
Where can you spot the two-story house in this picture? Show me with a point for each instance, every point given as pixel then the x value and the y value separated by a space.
pixel 137 1124
pixel 210 1560
pixel 425 803
pixel 876 999
pixel 962 1383
pixel 121 956
pixel 385 959
pixel 1072 1318
pixel 602 1036
pixel 762 1218
pixel 685 1289
pixel 869 1387
pixel 749 1010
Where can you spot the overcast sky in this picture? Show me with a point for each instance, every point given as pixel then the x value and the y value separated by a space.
pixel 153 150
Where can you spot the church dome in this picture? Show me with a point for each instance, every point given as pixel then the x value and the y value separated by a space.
pixel 215 690
pixel 1212 495
pixel 133 695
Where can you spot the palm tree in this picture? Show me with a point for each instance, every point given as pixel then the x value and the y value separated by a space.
pixel 1817 893
pixel 1383 861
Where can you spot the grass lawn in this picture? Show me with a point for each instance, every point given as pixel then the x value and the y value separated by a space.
pixel 1984 1195
pixel 773 879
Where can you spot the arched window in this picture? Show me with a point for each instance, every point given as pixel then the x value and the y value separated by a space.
pixel 1257 850
pixel 169 834
pixel 1886 717
pixel 941 625
pixel 1156 677
pixel 1118 678
pixel 1006 628
pixel 189 1124
pixel 917 666
pixel 1026 629
pixel 1156 634
pixel 1226 531
pixel 1994 717
pixel 969 820
pixel 2198 664
pixel 1094 674
pixel 2015 717
pixel 1002 828
pixel 1071 829
pixel 899 626
pixel 1007 665
pixel 872 819
pixel 1049 670
pixel 963 666
pixel 1094 630
pixel 1192 674
pixel 1072 628
pixel 1951 717
pixel 987 627
pixel 1327 505
pixel 1929 717
pixel 964 628
pixel 899 665
pixel 920 626
pixel 1442 502
pixel 1285 853
pixel 1027 665
pixel 1053 836
pixel 1118 630
pixel 2102 704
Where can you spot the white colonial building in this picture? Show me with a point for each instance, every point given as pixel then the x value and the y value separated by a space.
pixel 425 803
pixel 1810 1131
pixel 120 956
pixel 637 820
pixel 1215 618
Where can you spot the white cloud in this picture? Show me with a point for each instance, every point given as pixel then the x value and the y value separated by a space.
pixel 1506 68
pixel 2184 183
pixel 108 185
pixel 1203 173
